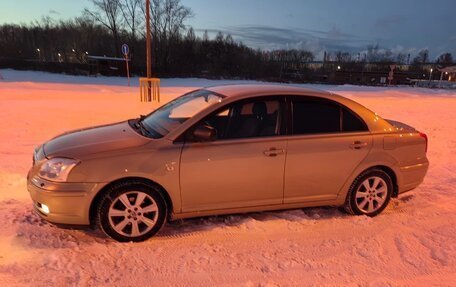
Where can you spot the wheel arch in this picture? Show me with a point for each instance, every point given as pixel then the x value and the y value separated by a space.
pixel 390 172
pixel 96 200
pixel 393 176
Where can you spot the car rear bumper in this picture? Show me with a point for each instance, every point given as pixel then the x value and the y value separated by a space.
pixel 62 203
pixel 412 175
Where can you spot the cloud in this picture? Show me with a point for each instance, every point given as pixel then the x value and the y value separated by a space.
pixel 388 23
pixel 316 41
pixel 53 12
pixel 398 49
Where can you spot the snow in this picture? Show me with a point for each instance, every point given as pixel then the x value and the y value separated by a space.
pixel 411 244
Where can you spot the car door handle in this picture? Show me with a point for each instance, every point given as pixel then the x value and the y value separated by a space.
pixel 358 145
pixel 273 151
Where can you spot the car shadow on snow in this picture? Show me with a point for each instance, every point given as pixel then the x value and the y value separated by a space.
pixel 247 221
pixel 34 232
pixel 260 220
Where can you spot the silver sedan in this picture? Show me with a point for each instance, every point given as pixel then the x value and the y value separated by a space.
pixel 226 149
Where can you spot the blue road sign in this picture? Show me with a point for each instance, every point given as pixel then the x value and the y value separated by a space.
pixel 125 49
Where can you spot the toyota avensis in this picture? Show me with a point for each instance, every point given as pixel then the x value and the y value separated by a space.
pixel 226 149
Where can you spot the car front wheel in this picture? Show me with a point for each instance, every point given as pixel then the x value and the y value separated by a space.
pixel 370 193
pixel 132 212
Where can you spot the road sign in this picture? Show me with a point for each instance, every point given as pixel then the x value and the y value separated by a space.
pixel 125 49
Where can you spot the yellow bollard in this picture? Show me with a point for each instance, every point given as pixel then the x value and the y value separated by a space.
pixel 149 83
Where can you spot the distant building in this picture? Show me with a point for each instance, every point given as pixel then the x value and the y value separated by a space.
pixel 107 66
pixel 449 73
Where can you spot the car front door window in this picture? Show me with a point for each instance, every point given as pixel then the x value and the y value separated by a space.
pixel 251 119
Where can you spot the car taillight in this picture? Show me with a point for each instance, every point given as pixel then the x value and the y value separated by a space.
pixel 423 135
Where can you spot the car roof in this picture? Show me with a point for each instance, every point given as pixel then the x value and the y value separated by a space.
pixel 241 90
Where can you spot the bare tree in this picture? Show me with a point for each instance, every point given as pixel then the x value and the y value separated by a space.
pixel 422 57
pixel 343 57
pixel 445 59
pixel 170 16
pixel 401 58
pixel 373 53
pixel 131 13
pixel 109 14
pixel 168 20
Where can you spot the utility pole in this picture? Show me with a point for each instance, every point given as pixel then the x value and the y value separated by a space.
pixel 148 49
pixel 149 88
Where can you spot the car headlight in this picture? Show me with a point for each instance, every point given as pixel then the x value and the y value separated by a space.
pixel 57 169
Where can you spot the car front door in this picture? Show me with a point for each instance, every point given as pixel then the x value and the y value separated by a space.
pixel 243 166
pixel 328 142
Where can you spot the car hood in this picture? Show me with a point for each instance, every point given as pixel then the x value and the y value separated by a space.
pixel 79 143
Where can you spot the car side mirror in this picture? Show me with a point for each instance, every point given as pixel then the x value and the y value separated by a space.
pixel 204 133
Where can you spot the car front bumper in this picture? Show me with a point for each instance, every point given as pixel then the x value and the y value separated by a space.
pixel 61 203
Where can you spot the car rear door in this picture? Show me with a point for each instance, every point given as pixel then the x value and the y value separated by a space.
pixel 327 142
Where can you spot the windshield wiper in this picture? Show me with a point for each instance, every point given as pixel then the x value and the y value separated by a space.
pixel 140 126
pixel 146 130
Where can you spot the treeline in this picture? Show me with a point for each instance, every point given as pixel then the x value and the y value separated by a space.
pixel 186 54
pixel 177 50
pixel 376 54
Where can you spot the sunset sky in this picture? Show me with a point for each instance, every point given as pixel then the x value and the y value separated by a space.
pixel 316 25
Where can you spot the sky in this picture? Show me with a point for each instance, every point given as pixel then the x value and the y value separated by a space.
pixel 404 26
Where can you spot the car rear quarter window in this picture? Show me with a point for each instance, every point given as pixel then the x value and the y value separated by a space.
pixel 351 122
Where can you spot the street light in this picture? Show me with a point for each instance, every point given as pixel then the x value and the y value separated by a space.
pixel 430 75
pixel 338 67
pixel 39 53
pixel 60 57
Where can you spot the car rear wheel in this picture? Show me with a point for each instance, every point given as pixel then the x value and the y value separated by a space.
pixel 370 193
pixel 132 212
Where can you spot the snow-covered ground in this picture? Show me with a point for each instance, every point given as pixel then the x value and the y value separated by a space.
pixel 413 243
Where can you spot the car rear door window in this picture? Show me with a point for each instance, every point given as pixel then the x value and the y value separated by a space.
pixel 314 116
pixel 318 116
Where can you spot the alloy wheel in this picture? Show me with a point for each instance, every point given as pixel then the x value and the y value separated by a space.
pixel 371 194
pixel 133 213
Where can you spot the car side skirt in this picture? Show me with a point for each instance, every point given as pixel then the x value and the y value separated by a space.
pixel 261 208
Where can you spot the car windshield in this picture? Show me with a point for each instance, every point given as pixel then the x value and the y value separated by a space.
pixel 172 115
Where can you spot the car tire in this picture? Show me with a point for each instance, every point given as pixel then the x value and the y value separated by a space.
pixel 370 193
pixel 131 211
